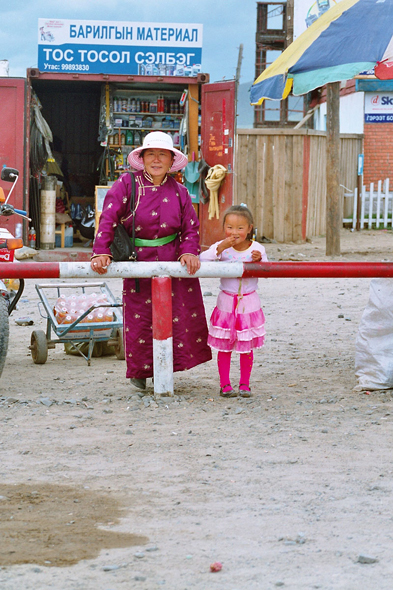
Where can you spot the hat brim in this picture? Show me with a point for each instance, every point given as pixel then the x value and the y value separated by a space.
pixel 135 161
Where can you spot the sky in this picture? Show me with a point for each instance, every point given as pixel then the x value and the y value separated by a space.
pixel 226 25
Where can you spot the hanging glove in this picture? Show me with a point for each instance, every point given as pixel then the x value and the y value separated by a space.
pixel 213 181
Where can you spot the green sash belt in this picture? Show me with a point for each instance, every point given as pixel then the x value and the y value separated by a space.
pixel 157 242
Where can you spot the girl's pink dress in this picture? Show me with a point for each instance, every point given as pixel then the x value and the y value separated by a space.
pixel 237 322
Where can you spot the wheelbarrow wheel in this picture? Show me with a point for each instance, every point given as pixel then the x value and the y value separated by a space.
pixel 119 346
pixel 4 332
pixel 39 347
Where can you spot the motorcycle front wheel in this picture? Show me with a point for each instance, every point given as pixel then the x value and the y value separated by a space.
pixel 4 332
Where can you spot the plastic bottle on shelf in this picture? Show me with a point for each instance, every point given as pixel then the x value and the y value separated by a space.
pixel 137 138
pixel 133 105
pixel 138 105
pixel 32 237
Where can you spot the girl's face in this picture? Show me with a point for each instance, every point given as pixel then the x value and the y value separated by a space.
pixel 238 227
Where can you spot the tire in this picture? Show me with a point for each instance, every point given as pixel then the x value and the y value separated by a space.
pixel 4 332
pixel 119 346
pixel 39 347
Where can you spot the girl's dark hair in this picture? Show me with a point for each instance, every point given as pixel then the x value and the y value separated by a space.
pixel 242 211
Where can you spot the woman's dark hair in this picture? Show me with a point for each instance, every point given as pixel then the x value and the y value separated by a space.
pixel 242 211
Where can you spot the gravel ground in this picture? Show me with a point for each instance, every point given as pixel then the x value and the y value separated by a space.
pixel 104 488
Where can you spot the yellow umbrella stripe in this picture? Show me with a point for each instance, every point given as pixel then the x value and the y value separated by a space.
pixel 295 50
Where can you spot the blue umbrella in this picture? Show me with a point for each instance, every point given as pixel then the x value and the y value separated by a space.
pixel 351 37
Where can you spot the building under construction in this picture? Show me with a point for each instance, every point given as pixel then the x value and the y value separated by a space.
pixel 274 33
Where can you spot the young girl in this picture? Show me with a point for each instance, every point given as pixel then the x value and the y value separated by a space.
pixel 237 322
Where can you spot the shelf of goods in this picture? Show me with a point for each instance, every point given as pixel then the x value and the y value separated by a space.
pixel 135 114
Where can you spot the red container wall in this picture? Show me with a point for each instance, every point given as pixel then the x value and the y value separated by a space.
pixel 218 135
pixel 12 142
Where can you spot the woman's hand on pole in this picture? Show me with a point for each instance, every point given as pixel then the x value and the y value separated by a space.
pixel 100 263
pixel 193 263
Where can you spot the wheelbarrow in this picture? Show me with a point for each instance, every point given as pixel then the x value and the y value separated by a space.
pixel 86 325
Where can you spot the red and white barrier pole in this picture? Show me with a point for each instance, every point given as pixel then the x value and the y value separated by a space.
pixel 161 273
pixel 263 270
pixel 161 294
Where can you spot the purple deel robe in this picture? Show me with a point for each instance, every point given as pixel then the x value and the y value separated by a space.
pixel 161 211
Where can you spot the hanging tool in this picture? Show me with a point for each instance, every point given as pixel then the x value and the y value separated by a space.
pixel 191 176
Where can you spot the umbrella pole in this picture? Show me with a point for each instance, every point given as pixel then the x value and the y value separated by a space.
pixel 333 205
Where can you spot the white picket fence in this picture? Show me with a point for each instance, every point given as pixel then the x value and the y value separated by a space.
pixel 376 206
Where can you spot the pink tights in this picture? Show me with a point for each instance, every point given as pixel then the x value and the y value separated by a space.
pixel 224 366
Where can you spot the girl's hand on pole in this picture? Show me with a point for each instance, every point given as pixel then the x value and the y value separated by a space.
pixel 256 256
pixel 100 263
pixel 192 262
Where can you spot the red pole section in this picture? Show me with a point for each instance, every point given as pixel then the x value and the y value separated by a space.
pixel 161 291
pixel 349 270
pixel 30 270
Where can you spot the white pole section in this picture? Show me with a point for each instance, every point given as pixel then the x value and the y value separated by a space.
pixel 116 270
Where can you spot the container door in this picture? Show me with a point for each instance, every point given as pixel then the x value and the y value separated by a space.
pixel 12 144
pixel 217 139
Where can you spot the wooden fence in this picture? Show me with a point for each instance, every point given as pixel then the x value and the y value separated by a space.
pixel 281 175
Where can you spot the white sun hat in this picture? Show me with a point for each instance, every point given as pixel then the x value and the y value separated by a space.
pixel 159 141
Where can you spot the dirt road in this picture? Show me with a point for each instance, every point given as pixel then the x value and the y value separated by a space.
pixel 101 489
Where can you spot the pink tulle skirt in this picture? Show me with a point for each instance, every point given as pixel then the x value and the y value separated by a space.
pixel 237 323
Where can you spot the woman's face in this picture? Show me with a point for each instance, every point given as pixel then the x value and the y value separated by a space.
pixel 157 162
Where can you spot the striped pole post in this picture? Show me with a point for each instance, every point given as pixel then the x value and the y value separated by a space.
pixel 161 295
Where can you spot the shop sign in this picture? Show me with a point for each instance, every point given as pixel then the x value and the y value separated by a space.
pixel 111 47
pixel 378 107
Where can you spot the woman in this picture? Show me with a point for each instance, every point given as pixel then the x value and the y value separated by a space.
pixel 163 210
